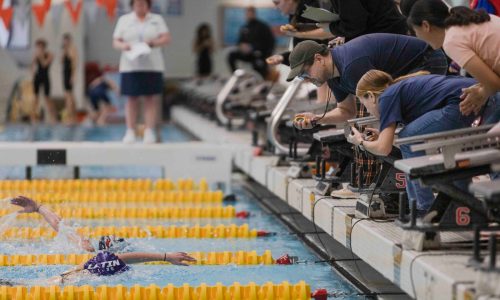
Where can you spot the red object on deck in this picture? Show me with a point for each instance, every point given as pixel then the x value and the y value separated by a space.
pixel 320 294
pixel 242 214
pixel 262 233
pixel 284 260
pixel 257 151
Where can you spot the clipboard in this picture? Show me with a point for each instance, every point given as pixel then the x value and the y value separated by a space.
pixel 319 15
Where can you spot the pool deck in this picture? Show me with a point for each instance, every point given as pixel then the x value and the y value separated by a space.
pixel 439 274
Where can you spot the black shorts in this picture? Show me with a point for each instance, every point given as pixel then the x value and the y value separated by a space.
pixel 98 95
pixel 141 83
pixel 40 82
pixel 68 85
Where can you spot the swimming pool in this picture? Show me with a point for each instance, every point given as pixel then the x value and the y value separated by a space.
pixel 317 275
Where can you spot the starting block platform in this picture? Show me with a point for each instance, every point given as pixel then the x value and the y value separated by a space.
pixel 439 274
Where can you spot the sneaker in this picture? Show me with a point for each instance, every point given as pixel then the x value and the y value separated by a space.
pixel 129 137
pixel 149 136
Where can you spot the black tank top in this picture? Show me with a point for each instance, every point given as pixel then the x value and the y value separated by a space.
pixel 42 71
pixel 67 66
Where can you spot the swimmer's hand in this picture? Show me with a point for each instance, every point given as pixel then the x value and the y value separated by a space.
pixel 28 205
pixel 178 258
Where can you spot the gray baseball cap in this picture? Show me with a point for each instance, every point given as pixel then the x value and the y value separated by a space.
pixel 303 52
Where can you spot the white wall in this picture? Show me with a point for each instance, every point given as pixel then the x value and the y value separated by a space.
pixel 179 59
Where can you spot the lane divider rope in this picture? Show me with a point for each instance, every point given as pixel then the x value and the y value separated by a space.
pixel 203 259
pixel 64 185
pixel 197 231
pixel 121 196
pixel 236 291
pixel 163 213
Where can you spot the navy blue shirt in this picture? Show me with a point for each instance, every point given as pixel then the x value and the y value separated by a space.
pixel 406 101
pixel 392 53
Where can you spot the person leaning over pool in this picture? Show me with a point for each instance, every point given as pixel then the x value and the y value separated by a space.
pixel 343 66
pixel 471 39
pixel 422 104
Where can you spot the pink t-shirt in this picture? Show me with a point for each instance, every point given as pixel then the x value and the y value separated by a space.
pixel 461 43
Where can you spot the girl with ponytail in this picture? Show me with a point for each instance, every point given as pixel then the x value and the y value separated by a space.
pixel 421 103
pixel 470 38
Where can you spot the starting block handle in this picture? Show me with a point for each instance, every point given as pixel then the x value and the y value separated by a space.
pixel 370 119
pixel 444 135
pixel 487 140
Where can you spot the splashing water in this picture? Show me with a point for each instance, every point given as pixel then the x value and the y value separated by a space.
pixel 5 201
pixel 6 221
pixel 67 239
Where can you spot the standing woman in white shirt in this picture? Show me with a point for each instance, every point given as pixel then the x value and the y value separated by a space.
pixel 141 76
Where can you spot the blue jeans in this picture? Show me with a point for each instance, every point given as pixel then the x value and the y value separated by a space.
pixel 491 112
pixel 443 119
pixel 491 115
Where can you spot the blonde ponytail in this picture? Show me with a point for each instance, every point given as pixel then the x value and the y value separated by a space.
pixel 377 81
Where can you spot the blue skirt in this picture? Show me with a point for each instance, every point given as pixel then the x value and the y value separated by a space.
pixel 141 83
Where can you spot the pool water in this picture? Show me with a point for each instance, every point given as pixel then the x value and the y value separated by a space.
pixel 110 133
pixel 317 275
pixel 60 133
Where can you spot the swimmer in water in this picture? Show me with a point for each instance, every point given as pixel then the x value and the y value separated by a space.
pixel 108 243
pixel 107 264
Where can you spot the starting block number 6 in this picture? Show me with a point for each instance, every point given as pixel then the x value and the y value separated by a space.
pixel 462 216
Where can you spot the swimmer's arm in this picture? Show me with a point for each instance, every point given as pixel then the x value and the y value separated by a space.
pixel 344 111
pixel 383 145
pixel 176 258
pixel 51 217
pixel 54 220
pixel 66 275
pixel 30 206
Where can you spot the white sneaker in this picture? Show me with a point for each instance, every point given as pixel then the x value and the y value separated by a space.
pixel 129 137
pixel 149 136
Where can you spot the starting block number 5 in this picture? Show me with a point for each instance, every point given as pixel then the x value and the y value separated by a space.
pixel 462 216
pixel 400 180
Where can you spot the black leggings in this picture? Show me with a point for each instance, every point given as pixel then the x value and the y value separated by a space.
pixel 40 82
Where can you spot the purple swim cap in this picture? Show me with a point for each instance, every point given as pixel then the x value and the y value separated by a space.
pixel 105 264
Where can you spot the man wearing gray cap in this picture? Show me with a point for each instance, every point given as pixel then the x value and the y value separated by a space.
pixel 343 66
